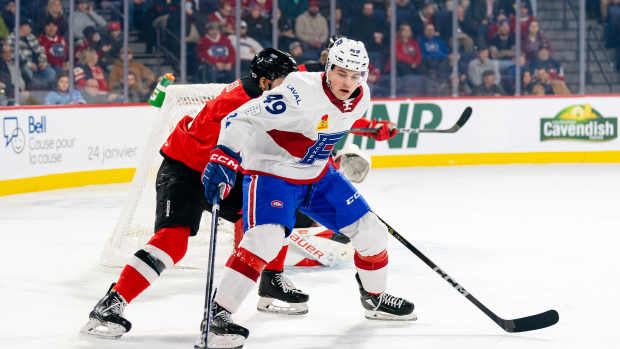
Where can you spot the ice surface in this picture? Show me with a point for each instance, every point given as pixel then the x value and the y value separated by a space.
pixel 522 239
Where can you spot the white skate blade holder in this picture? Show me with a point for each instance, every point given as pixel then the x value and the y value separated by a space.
pixel 379 315
pixel 106 330
pixel 222 341
pixel 272 305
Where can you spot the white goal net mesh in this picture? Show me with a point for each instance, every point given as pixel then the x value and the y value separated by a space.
pixel 135 225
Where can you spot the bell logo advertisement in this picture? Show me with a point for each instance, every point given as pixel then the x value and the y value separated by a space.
pixel 580 123
pixel 30 133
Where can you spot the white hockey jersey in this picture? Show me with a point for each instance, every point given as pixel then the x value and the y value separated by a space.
pixel 290 131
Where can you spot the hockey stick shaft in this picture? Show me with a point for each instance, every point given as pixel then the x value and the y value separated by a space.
pixel 528 323
pixel 459 123
pixel 206 317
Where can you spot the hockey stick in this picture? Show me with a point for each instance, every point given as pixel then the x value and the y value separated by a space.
pixel 528 323
pixel 459 123
pixel 206 317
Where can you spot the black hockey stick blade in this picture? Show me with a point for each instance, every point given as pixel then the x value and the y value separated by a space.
pixel 532 322
pixel 528 323
pixel 459 123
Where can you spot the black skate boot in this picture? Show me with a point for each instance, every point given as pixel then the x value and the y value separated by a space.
pixel 385 306
pixel 223 332
pixel 279 295
pixel 106 319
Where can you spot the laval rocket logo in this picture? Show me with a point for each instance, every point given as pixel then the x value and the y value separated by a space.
pixel 14 136
pixel 579 122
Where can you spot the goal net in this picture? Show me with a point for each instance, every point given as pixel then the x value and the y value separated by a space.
pixel 135 225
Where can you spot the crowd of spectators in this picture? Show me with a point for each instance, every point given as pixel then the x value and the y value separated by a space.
pixel 424 53
pixel 42 41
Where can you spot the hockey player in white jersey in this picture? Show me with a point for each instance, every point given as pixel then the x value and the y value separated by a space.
pixel 283 140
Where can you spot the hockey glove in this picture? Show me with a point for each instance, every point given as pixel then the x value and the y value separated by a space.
pixel 385 129
pixel 221 169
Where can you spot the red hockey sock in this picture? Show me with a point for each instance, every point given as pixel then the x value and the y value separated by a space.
pixel 277 263
pixel 165 249
pixel 238 232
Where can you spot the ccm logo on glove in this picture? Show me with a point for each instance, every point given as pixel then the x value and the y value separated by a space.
pixel 220 157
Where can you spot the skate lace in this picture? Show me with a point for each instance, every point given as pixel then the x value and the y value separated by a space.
pixel 392 301
pixel 285 283
pixel 116 306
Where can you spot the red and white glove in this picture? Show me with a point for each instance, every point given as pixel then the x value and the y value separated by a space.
pixel 385 129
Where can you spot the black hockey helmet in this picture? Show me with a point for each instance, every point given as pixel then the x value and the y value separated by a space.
pixel 272 64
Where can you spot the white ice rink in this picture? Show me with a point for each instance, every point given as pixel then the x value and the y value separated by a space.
pixel 522 239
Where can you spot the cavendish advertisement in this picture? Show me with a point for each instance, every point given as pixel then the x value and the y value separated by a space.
pixel 49 148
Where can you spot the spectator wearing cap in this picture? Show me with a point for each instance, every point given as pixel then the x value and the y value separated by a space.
pixel 85 16
pixel 56 48
pixel 502 46
pixel 311 29
pixel 259 26
pixel 32 57
pixel 112 43
pixel 293 8
pixel 481 64
pixel 286 34
pixel 489 85
pixel 216 55
pixel 494 27
pixel 53 12
pixel 424 17
pixel 143 74
pixel 248 46
pixel 544 60
pixel 533 41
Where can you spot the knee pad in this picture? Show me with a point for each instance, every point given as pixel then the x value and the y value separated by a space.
pixel 264 241
pixel 368 235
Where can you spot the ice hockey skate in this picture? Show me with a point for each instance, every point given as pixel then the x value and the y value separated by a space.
pixel 223 332
pixel 106 319
pixel 385 306
pixel 279 295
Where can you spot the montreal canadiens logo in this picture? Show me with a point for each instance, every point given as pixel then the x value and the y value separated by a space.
pixel 277 203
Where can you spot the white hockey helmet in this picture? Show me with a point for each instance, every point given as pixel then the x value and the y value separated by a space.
pixel 348 54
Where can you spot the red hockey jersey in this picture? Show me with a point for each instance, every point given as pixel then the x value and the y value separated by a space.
pixel 192 139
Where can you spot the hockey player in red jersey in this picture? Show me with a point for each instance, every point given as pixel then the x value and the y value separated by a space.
pixel 180 199
pixel 283 141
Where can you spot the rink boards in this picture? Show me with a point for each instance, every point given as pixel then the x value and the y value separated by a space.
pixel 58 147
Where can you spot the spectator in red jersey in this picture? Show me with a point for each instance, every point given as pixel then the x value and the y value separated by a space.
pixel 224 16
pixel 89 69
pixel 56 48
pixel 216 54
pixel 533 41
pixel 408 53
pixel 526 19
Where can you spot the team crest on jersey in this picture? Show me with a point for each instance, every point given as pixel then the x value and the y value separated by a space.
pixel 322 148
pixel 277 203
pixel 324 123
pixel 347 104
